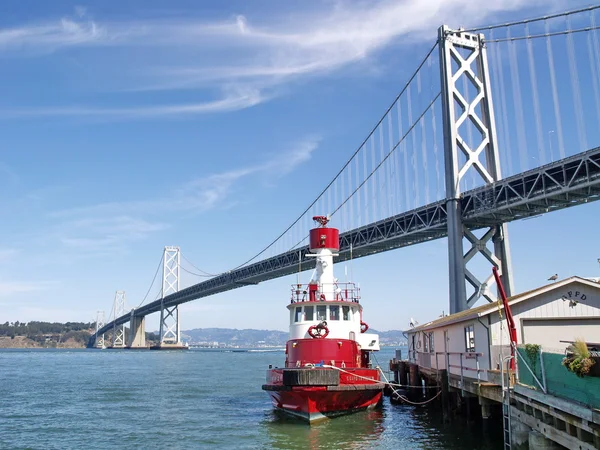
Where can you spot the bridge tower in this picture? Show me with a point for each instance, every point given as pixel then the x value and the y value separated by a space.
pixel 100 322
pixel 118 340
pixel 170 333
pixel 463 62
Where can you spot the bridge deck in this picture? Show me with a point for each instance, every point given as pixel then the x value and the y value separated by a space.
pixel 568 182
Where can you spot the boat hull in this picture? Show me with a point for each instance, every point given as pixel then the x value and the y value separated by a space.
pixel 355 390
pixel 314 404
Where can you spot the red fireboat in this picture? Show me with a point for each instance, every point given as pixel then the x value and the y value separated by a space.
pixel 327 369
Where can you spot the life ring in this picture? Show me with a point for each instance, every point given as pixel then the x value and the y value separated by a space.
pixel 319 331
pixel 363 327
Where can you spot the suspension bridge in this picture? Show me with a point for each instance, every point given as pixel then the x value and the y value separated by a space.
pixel 521 96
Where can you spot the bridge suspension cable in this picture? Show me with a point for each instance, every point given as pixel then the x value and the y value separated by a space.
pixel 339 177
pixel 528 21
pixel 202 273
pixel 153 281
pixel 556 113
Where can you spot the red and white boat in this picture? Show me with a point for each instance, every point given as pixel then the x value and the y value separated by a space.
pixel 327 366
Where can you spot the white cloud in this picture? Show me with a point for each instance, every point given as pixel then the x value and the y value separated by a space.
pixel 10 288
pixel 230 102
pixel 8 254
pixel 245 58
pixel 104 227
pixel 51 36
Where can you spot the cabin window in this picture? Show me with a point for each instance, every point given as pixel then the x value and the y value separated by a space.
pixel 321 312
pixel 470 338
pixel 334 312
pixel 309 312
pixel 346 312
pixel 431 349
pixel 298 316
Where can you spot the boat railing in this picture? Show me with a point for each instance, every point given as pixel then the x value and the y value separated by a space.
pixel 315 292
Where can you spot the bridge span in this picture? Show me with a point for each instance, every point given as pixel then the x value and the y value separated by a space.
pixel 393 191
pixel 565 183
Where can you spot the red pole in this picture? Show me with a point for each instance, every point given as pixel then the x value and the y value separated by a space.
pixel 512 329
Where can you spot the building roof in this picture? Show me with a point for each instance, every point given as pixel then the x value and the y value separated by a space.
pixel 488 308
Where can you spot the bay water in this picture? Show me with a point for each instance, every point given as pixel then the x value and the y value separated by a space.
pixel 113 399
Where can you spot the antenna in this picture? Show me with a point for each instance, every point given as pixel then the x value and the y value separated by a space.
pixel 351 272
pixel 299 266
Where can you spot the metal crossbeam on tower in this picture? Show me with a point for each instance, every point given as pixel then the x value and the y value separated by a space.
pixel 119 310
pixel 463 64
pixel 170 332
pixel 100 321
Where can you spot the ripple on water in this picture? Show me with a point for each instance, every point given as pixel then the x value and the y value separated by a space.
pixel 62 399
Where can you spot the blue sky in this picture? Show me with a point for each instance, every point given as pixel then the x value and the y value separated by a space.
pixel 127 126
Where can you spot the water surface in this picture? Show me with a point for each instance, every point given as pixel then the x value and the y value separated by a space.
pixel 112 399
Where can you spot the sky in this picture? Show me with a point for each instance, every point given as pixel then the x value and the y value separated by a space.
pixel 127 126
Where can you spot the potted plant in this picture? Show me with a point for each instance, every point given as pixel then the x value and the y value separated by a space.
pixel 579 360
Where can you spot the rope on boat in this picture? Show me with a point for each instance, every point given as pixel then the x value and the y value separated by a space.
pixel 378 381
pixel 404 399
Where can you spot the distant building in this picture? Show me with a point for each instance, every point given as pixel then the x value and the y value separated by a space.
pixel 471 342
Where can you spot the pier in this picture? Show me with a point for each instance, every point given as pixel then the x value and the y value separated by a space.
pixel 468 356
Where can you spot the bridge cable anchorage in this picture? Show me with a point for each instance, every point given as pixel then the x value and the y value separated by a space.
pixel 423 62
pixel 526 21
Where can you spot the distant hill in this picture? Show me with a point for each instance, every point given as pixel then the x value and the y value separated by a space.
pixel 213 337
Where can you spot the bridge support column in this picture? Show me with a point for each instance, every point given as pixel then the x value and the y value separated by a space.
pixel 469 132
pixel 170 331
pixel 118 339
pixel 137 331
pixel 99 324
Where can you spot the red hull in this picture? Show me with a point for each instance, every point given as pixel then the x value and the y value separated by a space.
pixel 316 403
pixel 357 390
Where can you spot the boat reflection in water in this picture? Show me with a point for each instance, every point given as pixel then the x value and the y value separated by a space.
pixel 360 430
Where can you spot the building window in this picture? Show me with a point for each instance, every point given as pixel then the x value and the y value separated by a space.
pixel 309 313
pixel 431 350
pixel 334 312
pixel 426 342
pixel 470 338
pixel 346 312
pixel 298 316
pixel 321 312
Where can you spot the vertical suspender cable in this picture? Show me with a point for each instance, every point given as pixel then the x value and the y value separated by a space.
pixel 505 149
pixel 398 204
pixel 390 168
pixel 413 153
pixel 359 213
pixel 555 100
pixel 423 143
pixel 424 157
pixel 438 195
pixel 382 187
pixel 595 58
pixel 373 190
pixel 575 87
pixel 352 200
pixel 405 162
pixel 365 188
pixel 594 61
pixel 536 102
pixel 517 103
